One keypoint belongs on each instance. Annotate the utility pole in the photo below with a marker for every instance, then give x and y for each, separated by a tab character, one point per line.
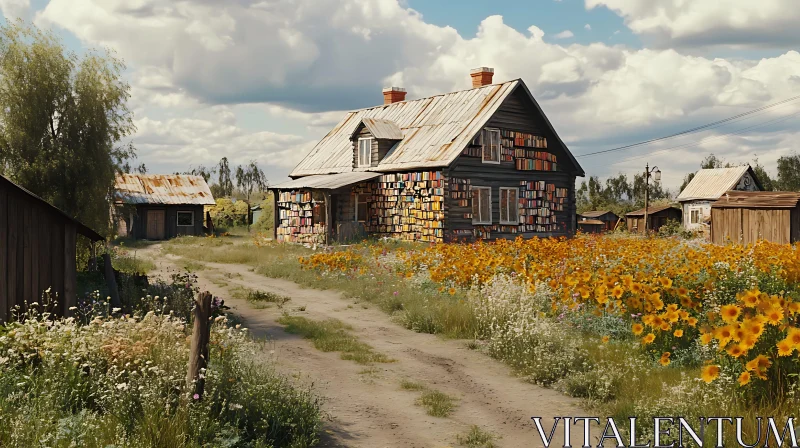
656	173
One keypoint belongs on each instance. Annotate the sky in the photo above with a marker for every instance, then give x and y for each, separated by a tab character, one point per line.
264	80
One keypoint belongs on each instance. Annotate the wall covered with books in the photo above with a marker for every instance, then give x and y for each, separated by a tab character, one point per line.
407	206
301	215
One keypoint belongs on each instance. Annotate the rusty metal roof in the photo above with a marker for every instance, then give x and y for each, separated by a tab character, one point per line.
380	128
435	131
651	210
593	222
167	189
596	213
327	181
758	199
713	182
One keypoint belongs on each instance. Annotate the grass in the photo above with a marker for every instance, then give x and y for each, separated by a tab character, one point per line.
193	266
436	403
476	438
259	299
132	264
412	385
333	335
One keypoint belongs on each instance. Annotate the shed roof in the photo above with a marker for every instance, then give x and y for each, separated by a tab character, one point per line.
593	222
711	183
435	131
596	213
651	210
381	128
163	189
81	228
758	199
328	181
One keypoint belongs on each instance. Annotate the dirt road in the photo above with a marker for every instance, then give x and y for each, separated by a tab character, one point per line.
367	407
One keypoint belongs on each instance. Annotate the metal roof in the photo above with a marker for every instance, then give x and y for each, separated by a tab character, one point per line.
435	131
593	222
758	199
80	227
713	182
650	210
166	189
380	128
596	213
327	181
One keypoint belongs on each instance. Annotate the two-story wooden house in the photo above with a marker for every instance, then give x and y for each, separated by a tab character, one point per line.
479	163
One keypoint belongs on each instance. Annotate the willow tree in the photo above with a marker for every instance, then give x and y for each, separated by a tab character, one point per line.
63	119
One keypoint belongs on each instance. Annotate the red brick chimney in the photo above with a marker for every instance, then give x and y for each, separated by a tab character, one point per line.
481	76
393	95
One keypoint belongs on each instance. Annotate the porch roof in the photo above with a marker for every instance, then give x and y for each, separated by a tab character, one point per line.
327	181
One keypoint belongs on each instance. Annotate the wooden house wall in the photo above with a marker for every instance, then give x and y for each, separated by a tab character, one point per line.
379	147
37	252
637	222
171	229
748	225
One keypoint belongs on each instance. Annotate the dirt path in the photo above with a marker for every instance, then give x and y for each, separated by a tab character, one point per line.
370	409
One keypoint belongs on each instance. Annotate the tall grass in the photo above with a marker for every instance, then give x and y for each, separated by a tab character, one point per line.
333	335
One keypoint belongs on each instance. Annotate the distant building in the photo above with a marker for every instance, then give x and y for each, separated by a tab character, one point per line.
609	219
745	217
37	251
707	186
656	215
161	206
586	225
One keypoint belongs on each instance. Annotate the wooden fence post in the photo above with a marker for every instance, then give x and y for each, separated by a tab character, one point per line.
198	353
111	281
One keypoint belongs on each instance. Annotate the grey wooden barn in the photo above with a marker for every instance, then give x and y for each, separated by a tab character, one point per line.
37	251
479	163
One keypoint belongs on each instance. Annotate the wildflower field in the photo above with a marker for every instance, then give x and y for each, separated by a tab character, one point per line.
638	326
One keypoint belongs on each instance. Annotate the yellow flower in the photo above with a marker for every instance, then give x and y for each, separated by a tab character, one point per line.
710	373
649	338
785	348
678	333
794	337
638	329
736	350
744	378
730	313
605	339
774	315
705	338
664	361
617	292
692	321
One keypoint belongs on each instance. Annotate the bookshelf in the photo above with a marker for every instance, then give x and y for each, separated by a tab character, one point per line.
296	215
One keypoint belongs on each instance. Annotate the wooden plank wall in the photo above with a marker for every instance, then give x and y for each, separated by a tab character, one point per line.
746	226
37	252
170	220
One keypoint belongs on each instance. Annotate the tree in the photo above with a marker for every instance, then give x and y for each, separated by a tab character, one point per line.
201	171
767	184
250	179
224	187
788	173
62	120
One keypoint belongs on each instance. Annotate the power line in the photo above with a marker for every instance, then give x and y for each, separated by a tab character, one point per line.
693	130
699	142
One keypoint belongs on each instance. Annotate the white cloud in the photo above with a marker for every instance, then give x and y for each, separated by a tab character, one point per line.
301	61
746	23
566	34
587	27
13	9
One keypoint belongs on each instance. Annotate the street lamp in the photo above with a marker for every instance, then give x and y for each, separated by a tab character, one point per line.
656	173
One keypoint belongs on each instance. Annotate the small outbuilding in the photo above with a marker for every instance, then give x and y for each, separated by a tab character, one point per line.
591	225
745	217
608	218
656	215
707	186
37	251
161	206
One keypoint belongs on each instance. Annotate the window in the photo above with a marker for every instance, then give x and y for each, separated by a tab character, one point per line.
481	205
491	146
318	213
509	206
364	152
695	216
361	208
185	218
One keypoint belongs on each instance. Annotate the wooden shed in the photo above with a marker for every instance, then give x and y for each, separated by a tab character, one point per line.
657	215
591	225
161	206
608	218
748	216
37	250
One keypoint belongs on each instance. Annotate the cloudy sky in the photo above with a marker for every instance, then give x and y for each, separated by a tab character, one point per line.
265	79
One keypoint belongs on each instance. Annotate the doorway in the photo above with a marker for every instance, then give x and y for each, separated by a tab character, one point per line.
155	225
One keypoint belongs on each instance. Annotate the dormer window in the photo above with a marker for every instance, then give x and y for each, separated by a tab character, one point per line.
364	152
491	146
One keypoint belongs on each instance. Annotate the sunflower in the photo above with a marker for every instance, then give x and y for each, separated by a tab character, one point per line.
774	315
794	337
665	282
678	333
730	313
605	339
638	329
744	378
736	350
785	348
710	373
692	321
706	338
664	361
749	299
617	291
665	326
649	338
